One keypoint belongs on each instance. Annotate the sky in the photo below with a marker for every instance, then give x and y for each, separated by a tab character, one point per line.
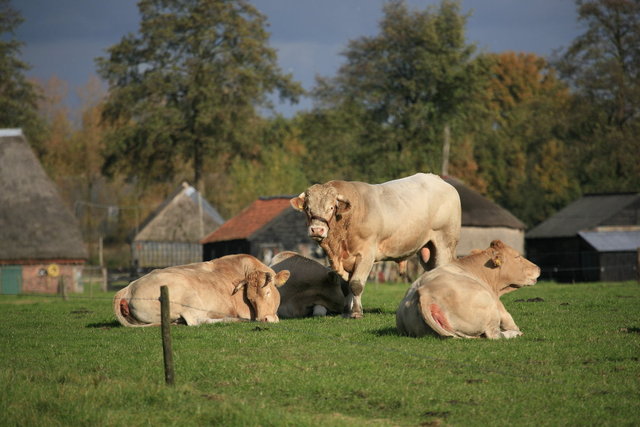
63	37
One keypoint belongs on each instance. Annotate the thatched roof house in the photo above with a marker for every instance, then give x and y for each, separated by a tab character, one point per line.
37	230
594	238
484	221
267	226
171	234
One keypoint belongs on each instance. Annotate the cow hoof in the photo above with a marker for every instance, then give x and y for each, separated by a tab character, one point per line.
510	334
355	315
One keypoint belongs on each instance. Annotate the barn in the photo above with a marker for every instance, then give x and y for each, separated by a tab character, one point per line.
171	234
267	226
484	221
41	245
595	238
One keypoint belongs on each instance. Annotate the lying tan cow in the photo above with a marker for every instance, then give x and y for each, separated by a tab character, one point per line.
312	288
358	224
233	287
462	299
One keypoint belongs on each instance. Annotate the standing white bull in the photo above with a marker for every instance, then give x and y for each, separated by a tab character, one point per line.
230	288
358	224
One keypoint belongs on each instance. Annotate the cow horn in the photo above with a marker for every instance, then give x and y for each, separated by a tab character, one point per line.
238	286
268	279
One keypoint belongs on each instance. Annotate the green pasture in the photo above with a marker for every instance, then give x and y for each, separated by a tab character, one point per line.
578	363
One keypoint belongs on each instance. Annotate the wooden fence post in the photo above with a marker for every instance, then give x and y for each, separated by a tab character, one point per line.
165	327
62	290
638	264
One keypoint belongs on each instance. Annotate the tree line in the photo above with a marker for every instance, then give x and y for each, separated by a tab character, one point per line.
190	98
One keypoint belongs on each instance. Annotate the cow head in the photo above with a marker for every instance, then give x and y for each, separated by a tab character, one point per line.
262	293
514	270
322	204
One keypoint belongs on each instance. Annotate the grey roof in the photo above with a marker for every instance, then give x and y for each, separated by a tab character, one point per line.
479	211
583	214
612	241
177	219
35	224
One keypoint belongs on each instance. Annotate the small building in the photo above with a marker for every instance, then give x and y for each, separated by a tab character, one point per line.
41	245
267	226
171	234
595	238
484	221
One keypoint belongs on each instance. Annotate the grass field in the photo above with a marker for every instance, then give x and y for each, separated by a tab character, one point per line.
578	363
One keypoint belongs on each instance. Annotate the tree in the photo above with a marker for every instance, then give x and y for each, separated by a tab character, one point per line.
519	137
602	65
406	83
18	96
188	86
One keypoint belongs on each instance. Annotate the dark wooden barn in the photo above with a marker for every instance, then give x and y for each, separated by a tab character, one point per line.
267	226
171	234
41	245
595	238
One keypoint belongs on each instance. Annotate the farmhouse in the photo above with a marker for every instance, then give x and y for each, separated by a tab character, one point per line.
41	245
267	226
595	238
171	234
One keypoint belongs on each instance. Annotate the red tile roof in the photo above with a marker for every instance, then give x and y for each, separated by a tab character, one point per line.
249	220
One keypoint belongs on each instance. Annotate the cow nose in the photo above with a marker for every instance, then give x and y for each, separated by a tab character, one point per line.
317	232
271	319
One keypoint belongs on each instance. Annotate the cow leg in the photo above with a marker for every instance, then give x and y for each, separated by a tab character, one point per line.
506	321
403	270
358	280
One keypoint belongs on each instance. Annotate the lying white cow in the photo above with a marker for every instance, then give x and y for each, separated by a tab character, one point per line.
358	224
312	288
462	299
233	287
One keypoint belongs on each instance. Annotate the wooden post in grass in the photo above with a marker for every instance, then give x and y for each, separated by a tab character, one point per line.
638	264
165	323
62	290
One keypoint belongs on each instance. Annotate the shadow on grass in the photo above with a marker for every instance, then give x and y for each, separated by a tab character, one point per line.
105	325
377	310
386	332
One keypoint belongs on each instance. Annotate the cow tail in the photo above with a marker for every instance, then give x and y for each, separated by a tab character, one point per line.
122	309
434	317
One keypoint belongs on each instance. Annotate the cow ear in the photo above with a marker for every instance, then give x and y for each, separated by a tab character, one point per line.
298	202
343	204
241	284
282	277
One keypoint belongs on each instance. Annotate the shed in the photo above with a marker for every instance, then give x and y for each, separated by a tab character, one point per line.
41	244
267	226
171	234
595	238
484	220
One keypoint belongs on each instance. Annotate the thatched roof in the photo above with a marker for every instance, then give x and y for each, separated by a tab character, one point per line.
589	211
478	211
35	224
177	219
250	219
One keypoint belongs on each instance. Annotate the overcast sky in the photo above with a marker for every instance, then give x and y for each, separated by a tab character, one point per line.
63	37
